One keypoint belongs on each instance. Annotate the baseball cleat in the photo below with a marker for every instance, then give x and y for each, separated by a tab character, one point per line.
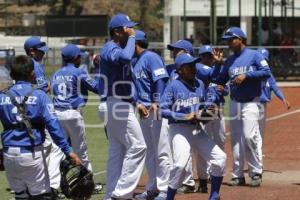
147	195
185	189
161	196
237	182
98	187
202	186
256	180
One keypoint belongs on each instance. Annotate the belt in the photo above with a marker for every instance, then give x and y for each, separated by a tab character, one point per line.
182	122
25	149
242	100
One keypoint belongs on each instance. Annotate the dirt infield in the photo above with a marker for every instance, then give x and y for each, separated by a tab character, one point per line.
281	178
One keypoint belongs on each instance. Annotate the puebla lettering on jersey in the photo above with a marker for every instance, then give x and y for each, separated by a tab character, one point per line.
183	103
241	70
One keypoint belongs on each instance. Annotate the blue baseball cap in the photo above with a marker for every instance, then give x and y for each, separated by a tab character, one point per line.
140	35
264	52
234	32
185	58
182	44
121	20
36	43
71	51
205	49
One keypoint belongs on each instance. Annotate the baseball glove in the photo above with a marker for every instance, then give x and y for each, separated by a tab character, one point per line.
1	160
76	181
206	115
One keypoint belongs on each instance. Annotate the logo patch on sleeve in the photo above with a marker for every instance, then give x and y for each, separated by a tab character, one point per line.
264	63
159	72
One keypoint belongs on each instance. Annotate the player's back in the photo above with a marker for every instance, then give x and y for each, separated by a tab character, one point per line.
10	116
66	87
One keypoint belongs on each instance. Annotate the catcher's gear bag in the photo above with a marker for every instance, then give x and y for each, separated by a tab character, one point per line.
76	181
1	160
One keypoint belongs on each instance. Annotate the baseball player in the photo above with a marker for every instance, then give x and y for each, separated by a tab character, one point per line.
245	69
36	49
24	114
177	48
150	76
180	103
266	94
215	128
127	148
70	86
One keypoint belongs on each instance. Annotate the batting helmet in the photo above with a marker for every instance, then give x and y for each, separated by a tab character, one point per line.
76	181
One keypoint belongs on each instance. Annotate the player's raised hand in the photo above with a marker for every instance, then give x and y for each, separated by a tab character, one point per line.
239	79
129	31
143	111
75	158
218	56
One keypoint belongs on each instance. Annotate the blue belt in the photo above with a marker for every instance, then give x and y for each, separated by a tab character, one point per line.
25	149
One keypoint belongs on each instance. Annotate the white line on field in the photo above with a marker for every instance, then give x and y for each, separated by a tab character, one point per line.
283	115
99	173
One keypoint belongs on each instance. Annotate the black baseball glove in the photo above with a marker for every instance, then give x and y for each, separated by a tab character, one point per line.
76	181
206	115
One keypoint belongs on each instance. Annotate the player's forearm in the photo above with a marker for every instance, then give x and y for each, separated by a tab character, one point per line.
261	74
166	113
128	52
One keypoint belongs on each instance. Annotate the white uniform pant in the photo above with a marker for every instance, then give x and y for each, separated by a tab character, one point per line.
216	131
54	156
158	157
27	171
245	137
127	148
73	125
182	140
262	119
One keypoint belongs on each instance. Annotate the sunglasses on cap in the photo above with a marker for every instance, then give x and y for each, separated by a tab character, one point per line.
42	44
232	34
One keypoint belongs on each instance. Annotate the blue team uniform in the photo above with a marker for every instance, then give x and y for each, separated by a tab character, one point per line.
269	86
148	69
40	77
39	109
215	96
179	100
115	65
253	65
70	87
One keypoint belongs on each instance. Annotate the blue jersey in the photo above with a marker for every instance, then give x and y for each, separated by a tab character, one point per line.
179	99
215	96
40	77
147	69
269	86
253	65
115	66
70	86
39	110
